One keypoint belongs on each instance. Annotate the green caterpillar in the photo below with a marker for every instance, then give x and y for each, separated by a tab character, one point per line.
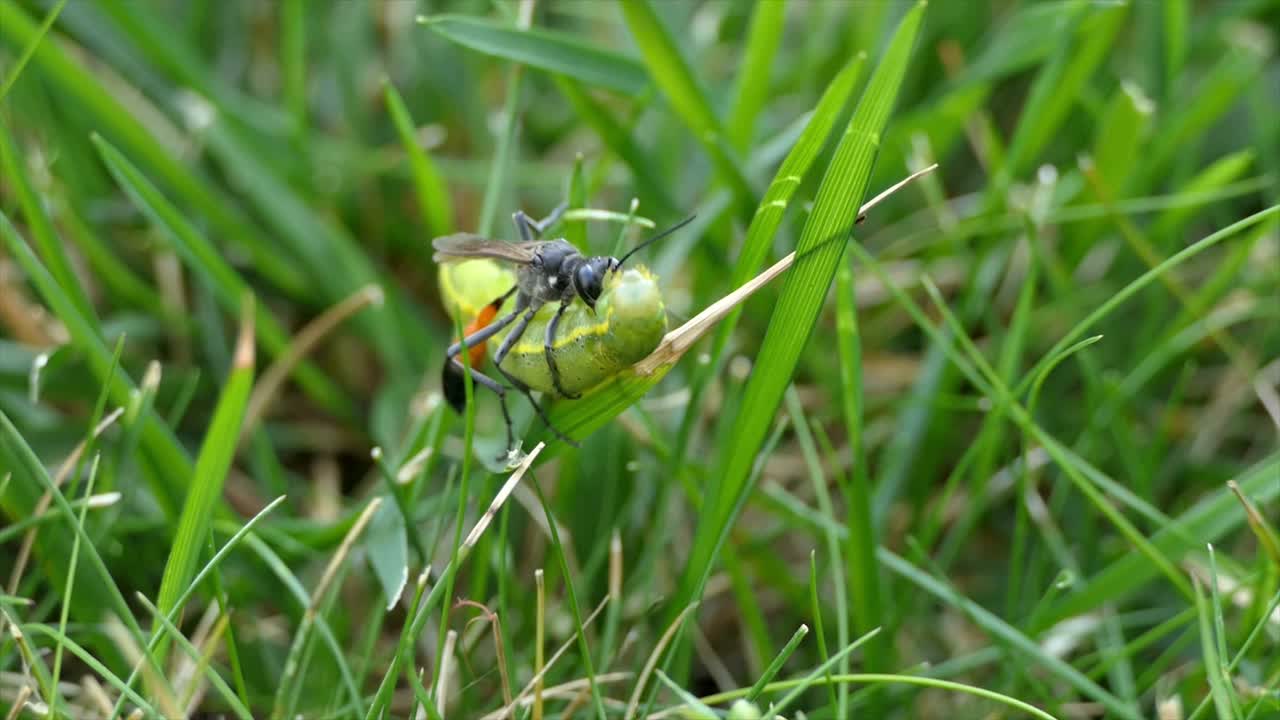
590	347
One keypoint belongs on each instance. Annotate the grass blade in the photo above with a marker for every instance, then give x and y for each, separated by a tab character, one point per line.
751	89
46	239
548	50
15	70
433	194
216	454
114	120
673	76
796	311
205	260
159	444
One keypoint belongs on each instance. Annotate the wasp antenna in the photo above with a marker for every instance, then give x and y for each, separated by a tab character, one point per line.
655	238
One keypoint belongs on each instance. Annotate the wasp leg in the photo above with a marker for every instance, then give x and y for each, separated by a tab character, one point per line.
512	338
531	229
537	407
485	333
498	389
455	393
451	375
548	347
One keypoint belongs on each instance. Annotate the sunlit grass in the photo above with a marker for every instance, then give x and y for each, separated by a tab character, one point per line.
1007	445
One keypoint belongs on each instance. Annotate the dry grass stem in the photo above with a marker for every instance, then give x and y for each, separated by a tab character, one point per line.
677	342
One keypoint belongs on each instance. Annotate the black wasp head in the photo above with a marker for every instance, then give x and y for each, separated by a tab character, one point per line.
589	278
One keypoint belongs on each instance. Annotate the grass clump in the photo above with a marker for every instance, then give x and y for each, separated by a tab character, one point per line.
1007	442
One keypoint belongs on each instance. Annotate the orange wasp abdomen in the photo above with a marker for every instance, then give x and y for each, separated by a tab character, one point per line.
481	321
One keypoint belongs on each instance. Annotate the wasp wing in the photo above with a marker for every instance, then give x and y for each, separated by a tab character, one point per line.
462	246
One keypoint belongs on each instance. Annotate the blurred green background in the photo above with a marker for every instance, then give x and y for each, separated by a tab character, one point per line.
931	461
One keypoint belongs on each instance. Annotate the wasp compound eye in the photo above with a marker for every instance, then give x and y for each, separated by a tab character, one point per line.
588	282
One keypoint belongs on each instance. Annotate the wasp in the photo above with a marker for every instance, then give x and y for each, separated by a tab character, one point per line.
547	272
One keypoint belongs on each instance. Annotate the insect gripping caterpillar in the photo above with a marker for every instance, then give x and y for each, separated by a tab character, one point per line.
589	347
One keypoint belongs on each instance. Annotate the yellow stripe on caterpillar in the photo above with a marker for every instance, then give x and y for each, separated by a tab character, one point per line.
565	337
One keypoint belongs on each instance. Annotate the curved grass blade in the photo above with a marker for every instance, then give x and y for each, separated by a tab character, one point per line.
208	570
95	665
95	578
191	651
547	50
1208	521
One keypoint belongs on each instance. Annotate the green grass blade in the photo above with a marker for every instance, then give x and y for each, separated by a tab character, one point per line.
1121	134
1059	84
815	676
212	464
1219	684
649	181
795	314
815	609
115	121
52	248
433	194
768	218
1023	646
751	89
208	570
574	607
96	665
1142	281
841	587
863	575
321	244
1213	96
576	233
299	594
1020	40
671	73
15	70
548	50
293	48
95	579
191	651
775	666
69	586
120	280
204	259
159	444
1208	521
